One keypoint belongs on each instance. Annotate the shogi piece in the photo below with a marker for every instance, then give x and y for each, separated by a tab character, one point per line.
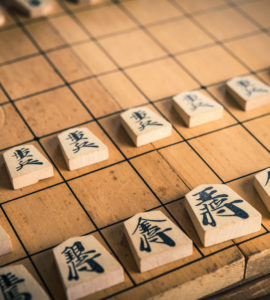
86	267
33	8
196	109
5	242
262	185
144	126
26	166
17	283
81	148
219	214
249	92
155	240
2	17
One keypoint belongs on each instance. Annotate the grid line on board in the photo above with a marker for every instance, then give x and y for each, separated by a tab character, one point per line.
64	181
51	160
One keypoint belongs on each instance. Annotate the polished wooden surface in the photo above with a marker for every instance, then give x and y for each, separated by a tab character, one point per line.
84	65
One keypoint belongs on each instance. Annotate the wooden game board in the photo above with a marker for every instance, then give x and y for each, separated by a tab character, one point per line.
83	66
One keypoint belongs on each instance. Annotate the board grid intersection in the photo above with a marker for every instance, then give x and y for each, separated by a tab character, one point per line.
99	121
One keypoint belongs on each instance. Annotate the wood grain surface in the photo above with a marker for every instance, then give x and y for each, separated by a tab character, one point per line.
82	66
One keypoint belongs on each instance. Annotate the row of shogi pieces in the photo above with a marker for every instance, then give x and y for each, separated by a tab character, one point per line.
35	8
217	212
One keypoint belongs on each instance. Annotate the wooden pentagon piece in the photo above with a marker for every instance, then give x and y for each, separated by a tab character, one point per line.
5	242
262	185
18	283
249	92
81	148
86	267
219	214
33	8
155	240
145	126
26	166
196	109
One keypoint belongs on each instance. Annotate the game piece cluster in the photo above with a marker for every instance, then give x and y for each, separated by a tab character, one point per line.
216	211
35	8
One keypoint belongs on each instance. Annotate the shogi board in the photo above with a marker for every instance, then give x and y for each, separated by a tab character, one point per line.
74	68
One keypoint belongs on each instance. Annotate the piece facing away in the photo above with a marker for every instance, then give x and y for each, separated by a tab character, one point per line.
2	17
249	92
262	185
155	240
86	267
144	126
26	166
197	109
219	214
33	8
81	148
18	283
5	242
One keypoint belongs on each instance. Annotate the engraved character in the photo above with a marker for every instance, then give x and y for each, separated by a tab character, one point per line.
268	178
152	234
79	140
79	260
143	120
24	158
217	204
195	102
34	2
250	88
9	288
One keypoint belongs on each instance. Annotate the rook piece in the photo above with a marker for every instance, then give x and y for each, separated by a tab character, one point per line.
249	92
33	8
219	214
5	242
2	17
196	109
86	267
81	148
17	283
262	185
144	126
26	166
155	240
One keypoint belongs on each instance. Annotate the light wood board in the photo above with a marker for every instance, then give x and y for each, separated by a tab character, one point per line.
84	65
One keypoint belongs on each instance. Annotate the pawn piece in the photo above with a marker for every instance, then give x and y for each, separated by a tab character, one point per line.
196	109
249	92
33	8
5	242
81	148
18	283
2	17
26	166
144	126
262	185
155	240
219	214
86	267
